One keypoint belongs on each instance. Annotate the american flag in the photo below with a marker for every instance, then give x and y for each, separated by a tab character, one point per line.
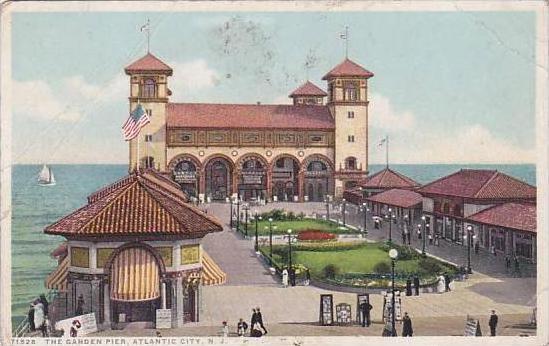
137	119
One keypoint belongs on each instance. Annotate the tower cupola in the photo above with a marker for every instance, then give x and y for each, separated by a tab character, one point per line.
308	94
347	83
149	78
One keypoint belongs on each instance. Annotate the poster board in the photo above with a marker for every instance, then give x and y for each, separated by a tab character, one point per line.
387	304
472	327
163	318
343	313
88	324
326	310
361	298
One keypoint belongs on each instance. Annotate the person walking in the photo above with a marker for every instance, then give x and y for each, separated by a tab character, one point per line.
493	323
517	264
430	239
507	263
307	277
253	321
447	282
476	248
285	278
407	325
30	317
39	317
241	327
494	251
45	304
260	319
225	329
408	287
403	237
80	306
416	285
365	309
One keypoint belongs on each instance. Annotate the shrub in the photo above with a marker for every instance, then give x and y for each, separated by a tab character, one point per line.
330	271
315	235
382	268
429	265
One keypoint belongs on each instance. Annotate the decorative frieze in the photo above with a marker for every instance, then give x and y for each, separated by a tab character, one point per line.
247	138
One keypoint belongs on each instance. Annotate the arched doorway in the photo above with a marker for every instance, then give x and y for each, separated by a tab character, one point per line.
185	173
285	170
318	178
135	285
218	178
252	184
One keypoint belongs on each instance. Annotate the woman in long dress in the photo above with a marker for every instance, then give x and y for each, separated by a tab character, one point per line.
285	278
441	287
39	321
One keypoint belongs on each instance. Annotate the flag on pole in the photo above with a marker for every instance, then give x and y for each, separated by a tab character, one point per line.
137	119
145	26
343	35
382	142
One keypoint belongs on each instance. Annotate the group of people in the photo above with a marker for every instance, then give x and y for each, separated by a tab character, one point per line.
407	329
257	328
515	263
38	315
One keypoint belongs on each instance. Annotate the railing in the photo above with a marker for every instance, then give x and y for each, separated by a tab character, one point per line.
24	326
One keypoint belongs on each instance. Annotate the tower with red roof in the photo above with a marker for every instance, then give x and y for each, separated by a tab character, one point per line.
348	104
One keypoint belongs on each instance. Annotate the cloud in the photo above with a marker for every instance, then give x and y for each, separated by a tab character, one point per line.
191	76
383	115
36	99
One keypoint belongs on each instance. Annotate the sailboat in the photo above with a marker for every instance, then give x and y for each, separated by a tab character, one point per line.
46	177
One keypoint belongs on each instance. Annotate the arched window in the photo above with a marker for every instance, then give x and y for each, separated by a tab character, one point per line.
350	91
316	166
149	88
350	163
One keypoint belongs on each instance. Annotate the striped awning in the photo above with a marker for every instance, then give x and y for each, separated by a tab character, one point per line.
57	280
213	275
135	276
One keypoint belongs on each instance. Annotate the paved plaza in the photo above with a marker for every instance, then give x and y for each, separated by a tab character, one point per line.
294	310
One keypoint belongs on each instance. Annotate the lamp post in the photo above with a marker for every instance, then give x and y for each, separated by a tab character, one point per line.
393	253
238	212
257	218
469	238
423	235
364	210
270	239
344	211
327	209
231	214
290	267
391	217
246	207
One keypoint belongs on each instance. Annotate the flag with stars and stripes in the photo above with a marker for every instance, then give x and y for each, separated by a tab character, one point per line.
137	120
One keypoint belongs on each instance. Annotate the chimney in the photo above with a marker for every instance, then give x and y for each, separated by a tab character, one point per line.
258	103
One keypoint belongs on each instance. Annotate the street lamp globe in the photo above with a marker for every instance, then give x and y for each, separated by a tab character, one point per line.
289	231
393	253
469	228
423	217
270	219
390	210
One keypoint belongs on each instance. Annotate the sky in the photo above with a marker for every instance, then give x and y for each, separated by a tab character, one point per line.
449	87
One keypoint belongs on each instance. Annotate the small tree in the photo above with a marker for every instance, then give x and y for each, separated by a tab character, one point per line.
330	271
382	268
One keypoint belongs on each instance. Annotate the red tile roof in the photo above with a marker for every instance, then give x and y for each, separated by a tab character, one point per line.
398	198
140	204
148	63
480	184
207	115
388	179
308	89
519	216
348	68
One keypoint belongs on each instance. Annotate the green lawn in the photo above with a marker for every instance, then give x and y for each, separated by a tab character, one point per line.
358	260
297	225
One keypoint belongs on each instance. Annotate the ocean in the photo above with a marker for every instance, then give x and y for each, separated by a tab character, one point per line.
34	207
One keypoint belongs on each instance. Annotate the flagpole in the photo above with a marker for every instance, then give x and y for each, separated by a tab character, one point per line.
387	151
346	42
138	157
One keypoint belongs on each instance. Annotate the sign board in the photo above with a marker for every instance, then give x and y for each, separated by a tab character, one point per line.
121	317
361	298
87	323
163	318
184	176
282	175
387	305
343	313
472	327
326	309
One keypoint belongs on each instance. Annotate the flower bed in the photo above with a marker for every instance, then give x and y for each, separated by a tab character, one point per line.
315	235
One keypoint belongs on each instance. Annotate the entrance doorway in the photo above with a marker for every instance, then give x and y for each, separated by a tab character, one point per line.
218	179
285	173
318	178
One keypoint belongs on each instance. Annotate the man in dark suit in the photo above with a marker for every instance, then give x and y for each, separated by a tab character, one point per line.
416	285
365	309
407	325
253	321
260	319
493	323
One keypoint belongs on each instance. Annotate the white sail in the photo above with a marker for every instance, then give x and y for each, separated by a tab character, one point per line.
45	177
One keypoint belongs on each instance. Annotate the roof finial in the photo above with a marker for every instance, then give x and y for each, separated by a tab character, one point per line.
345	36
147	29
